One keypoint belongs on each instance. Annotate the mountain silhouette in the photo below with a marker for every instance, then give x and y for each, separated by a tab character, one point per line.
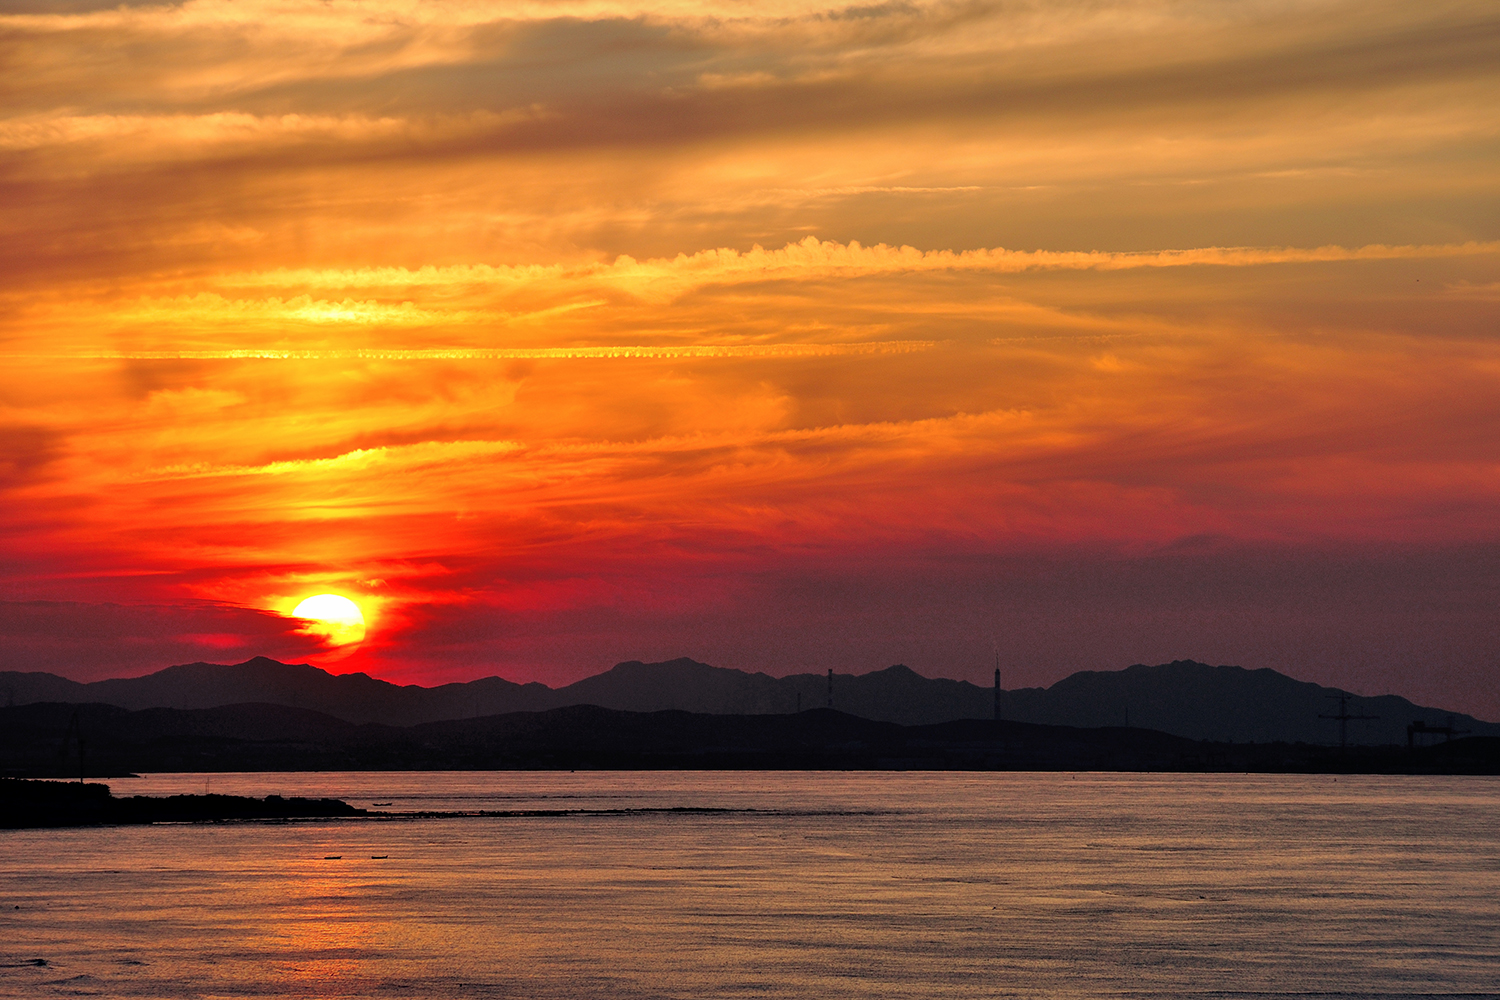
1183	698
37	741
355	698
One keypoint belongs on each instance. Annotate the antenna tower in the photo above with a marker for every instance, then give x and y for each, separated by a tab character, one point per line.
997	684
830	687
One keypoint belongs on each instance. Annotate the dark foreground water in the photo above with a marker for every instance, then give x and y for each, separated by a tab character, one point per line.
812	885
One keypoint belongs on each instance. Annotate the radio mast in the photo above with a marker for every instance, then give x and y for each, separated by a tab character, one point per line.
997	684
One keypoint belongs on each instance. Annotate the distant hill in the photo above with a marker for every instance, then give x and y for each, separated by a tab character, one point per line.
1225	703
39	741
1183	698
355	698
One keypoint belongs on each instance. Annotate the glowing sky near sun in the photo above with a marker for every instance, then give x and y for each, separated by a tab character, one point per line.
783	335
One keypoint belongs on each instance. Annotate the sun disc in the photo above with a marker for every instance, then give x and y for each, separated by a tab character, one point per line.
337	619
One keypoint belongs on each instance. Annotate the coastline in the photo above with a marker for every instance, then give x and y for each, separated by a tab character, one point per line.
34	744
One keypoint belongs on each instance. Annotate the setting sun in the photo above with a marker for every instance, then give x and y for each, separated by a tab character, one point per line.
337	619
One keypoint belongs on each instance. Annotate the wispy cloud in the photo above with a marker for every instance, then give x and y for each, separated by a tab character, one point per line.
812	258
693	351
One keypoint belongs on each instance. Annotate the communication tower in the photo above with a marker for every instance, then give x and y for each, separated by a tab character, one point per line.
997	685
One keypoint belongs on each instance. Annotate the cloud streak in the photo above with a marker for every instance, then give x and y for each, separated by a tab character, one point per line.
812	258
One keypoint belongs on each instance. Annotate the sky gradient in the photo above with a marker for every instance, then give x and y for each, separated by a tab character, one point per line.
782	335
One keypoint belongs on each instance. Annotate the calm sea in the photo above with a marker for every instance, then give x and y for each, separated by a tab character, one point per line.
899	885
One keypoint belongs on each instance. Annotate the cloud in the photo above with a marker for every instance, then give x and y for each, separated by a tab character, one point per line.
596	329
93	641
532	312
410	133
527	353
24	450
812	258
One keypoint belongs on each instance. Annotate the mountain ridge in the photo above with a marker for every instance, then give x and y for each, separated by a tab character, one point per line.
1184	698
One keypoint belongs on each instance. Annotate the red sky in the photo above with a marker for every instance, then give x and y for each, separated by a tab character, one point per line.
785	336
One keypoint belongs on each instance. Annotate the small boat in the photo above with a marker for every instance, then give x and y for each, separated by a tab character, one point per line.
333	857
379	803
379	857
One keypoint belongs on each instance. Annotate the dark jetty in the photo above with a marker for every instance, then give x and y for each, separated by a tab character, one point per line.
25	804
35	742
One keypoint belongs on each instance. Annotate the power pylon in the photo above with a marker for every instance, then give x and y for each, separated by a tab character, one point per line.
1344	717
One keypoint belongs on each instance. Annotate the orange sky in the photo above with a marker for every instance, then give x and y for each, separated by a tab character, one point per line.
781	335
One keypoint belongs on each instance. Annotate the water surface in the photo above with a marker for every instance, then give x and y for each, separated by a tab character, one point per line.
807	885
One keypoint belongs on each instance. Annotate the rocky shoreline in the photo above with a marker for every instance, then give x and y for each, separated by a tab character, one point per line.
33	804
